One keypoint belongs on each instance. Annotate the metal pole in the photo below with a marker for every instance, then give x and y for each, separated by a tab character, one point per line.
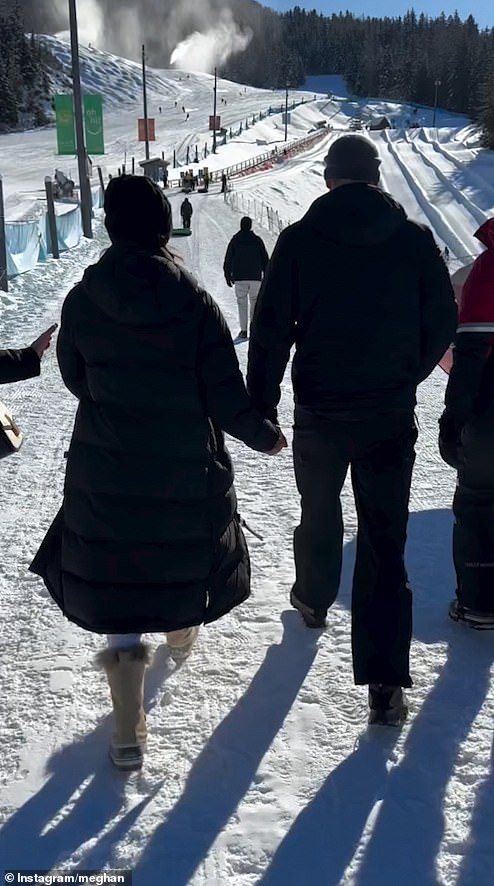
286	112
101	180
214	109
85	187
145	100
4	283
52	222
437	84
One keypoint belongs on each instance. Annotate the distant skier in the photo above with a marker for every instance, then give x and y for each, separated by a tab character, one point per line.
364	295
224	183
466	441
245	263
446	255
186	212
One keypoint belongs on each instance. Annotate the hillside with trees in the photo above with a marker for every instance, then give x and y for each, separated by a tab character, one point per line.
396	58
24	81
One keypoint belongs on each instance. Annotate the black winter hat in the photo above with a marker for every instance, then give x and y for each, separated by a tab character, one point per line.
137	210
353	157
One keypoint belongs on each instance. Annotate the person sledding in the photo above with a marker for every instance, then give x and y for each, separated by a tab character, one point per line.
186	212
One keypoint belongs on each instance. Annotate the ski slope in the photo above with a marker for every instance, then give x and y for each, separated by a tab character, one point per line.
260	769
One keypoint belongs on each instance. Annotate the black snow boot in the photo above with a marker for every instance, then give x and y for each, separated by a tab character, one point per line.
388	705
313	618
480	621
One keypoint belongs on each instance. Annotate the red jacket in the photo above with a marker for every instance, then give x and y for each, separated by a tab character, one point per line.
476	307
471	384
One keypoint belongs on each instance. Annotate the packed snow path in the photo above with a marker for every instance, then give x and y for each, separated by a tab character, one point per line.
260	768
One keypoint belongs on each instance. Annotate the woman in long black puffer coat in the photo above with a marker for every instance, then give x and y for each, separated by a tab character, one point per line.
148	538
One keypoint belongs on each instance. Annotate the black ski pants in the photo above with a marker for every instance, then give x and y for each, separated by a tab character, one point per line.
380	451
473	507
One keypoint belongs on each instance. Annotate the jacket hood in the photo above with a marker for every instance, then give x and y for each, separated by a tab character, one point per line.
486	233
134	286
245	235
356	214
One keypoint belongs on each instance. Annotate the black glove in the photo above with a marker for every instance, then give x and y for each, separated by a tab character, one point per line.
228	281
450	441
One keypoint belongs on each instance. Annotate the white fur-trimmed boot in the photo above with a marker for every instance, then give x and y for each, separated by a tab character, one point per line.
180	643
125	670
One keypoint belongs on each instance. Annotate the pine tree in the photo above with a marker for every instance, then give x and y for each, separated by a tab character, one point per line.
486	115
24	85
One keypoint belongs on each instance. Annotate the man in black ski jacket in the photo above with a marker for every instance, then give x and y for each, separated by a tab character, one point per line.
365	296
245	263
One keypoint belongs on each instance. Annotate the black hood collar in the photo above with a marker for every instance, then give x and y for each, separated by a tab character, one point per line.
356	214
135	286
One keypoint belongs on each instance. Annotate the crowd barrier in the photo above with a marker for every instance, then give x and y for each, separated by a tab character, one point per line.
262	213
277	154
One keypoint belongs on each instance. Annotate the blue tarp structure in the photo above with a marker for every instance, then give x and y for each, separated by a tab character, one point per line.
26	245
27	241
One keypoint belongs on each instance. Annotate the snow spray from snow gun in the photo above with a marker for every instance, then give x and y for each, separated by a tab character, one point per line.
202	50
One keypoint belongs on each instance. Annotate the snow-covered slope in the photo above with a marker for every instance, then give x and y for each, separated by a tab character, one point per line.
26	158
260	770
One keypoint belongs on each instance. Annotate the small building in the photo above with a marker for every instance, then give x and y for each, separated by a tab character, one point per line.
379	123
154	167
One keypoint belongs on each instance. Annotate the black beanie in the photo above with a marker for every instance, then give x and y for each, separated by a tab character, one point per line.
137	210
353	157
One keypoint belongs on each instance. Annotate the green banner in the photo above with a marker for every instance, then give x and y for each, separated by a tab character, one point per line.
93	119
64	110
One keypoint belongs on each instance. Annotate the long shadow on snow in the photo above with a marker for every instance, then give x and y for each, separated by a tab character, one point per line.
478	862
408	799
29	838
226	767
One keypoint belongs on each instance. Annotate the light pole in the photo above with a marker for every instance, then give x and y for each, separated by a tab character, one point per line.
286	112
4	283
85	187
437	84
215	93
145	101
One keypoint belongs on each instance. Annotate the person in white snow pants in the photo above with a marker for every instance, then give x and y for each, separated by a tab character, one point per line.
246	292
245	263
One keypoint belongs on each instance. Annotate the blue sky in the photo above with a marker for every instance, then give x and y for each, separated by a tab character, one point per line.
482	10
